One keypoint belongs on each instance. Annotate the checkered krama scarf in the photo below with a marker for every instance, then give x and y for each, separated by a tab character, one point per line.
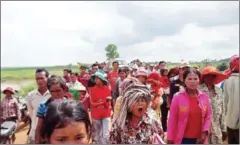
131	95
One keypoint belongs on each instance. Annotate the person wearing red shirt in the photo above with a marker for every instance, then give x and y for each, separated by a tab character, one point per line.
67	75
84	76
84	97
100	102
112	78
113	75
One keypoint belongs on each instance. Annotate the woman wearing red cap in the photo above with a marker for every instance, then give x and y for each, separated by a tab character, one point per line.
218	129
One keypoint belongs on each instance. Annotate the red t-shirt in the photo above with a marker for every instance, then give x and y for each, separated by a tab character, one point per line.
112	78
99	94
84	78
194	125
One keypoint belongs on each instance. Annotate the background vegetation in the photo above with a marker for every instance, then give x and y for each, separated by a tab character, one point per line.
27	73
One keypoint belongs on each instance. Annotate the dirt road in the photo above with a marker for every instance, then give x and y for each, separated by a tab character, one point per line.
21	136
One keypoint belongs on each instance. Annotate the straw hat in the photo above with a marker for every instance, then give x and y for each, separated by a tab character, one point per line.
211	70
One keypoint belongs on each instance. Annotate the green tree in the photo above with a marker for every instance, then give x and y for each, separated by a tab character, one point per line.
111	51
222	66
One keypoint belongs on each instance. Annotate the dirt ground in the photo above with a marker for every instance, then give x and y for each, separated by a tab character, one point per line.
21	136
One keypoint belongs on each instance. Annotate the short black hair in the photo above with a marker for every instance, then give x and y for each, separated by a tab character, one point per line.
39	70
115	62
124	69
95	64
83	67
68	70
162	62
56	80
62	112
74	73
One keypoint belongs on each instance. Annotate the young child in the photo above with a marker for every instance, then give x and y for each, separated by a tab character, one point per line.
84	97
67	122
100	101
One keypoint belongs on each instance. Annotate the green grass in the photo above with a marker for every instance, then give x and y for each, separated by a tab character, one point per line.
29	73
26	89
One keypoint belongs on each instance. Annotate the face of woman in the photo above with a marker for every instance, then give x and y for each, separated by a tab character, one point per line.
208	79
165	73
98	81
122	75
139	108
73	133
142	79
192	81
56	91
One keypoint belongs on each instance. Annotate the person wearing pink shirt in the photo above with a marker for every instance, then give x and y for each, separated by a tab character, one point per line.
190	113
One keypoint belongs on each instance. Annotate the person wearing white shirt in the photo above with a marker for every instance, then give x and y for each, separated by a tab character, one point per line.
231	101
74	84
34	99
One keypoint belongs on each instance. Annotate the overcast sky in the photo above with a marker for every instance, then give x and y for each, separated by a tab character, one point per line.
41	33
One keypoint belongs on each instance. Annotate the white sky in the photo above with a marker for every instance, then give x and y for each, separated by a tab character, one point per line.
41	33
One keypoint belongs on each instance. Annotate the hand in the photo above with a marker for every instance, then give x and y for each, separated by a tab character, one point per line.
109	98
202	138
224	136
169	142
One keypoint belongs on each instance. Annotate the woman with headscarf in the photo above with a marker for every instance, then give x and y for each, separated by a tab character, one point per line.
133	125
126	83
218	129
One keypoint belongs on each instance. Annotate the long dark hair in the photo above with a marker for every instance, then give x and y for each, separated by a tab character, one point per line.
62	112
188	71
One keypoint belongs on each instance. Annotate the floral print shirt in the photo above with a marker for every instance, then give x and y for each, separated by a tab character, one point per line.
143	134
218	124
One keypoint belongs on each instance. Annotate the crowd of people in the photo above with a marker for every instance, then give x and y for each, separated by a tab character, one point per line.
137	104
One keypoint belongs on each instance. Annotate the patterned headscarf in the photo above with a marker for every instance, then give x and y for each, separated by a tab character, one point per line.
126	83
131	95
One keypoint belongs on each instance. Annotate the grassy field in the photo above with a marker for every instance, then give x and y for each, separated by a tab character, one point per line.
28	73
17	75
24	77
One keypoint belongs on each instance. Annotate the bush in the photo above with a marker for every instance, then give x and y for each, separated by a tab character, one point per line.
26	89
223	66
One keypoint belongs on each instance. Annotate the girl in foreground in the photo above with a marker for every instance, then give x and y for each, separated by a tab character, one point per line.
67	122
190	113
